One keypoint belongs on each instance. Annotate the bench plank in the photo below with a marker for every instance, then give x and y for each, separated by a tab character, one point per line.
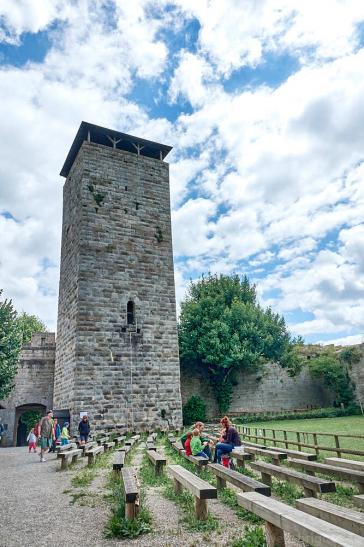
340	516
341	472
348	464
238	479
295	453
199	488
69	455
157	460
118	460
277	456
310	484
131	488
309	529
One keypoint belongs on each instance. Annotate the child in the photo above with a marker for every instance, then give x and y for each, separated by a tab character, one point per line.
196	445
188	444
32	441
65	435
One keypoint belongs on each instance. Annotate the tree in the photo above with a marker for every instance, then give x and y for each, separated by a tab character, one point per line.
10	345
28	325
194	410
331	368
223	329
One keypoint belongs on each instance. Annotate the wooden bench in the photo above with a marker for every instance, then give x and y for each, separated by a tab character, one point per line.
274	455
358	501
253	445
131	492
68	455
295	453
241	457
280	517
94	453
86	447
125	449
224	475
119	440
118	461
310	485
101	440
157	460
340	472
65	447
108	445
201	490
340	516
348	464
197	460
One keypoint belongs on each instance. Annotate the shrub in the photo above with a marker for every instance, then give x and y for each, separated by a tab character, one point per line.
194	410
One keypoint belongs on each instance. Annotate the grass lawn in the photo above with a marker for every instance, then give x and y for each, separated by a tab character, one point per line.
349	425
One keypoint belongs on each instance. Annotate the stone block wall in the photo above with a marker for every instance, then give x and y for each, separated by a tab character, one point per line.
116	248
33	382
270	390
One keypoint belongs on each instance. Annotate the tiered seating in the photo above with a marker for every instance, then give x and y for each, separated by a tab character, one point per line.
68	455
340	472
201	490
94	453
157	460
224	475
280	517
340	516
131	493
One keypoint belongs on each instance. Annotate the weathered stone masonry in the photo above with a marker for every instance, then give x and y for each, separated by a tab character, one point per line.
117	248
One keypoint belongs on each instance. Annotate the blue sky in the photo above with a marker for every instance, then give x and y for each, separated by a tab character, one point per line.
262	102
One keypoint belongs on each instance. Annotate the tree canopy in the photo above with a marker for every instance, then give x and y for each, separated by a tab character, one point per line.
10	345
28	325
223	329
15	331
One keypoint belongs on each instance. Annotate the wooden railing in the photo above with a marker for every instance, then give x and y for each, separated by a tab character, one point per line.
304	439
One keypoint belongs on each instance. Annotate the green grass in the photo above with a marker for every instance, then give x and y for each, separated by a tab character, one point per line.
118	526
228	496
147	474
84	477
253	537
186	501
350	425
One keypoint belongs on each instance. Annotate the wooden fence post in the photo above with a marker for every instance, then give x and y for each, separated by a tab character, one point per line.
337	444
285	438
298	440
274	437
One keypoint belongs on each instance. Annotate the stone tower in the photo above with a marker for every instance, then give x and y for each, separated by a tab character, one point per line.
117	347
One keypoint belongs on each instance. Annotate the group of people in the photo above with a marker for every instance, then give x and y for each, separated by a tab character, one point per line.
195	444
49	434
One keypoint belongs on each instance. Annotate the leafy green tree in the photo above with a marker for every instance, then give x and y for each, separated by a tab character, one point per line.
223	329
10	345
30	418
333	372
28	325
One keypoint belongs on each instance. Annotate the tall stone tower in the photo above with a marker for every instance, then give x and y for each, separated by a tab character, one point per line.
117	347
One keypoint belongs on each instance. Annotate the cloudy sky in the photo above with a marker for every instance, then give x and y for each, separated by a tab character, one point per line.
263	102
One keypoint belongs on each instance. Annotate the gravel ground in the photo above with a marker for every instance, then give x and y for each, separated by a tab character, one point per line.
34	510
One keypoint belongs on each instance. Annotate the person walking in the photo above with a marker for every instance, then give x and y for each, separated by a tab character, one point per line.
84	429
46	434
32	441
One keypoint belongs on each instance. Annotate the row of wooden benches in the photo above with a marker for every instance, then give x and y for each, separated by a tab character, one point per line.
71	453
323	523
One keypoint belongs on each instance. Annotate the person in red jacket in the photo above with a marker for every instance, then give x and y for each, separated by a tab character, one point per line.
188	444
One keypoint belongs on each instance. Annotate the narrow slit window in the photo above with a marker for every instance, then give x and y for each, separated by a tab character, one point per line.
130	313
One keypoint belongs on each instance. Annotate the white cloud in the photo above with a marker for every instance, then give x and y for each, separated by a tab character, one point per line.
345	341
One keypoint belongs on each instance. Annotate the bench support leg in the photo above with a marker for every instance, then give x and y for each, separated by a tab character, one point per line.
131	510
274	535
64	464
177	486
90	459
74	459
360	487
267	479
201	509
220	483
309	493
240	463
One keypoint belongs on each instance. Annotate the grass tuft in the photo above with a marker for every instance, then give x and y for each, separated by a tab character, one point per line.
228	496
253	537
186	502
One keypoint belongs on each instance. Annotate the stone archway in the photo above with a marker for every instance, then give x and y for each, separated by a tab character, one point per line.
20	432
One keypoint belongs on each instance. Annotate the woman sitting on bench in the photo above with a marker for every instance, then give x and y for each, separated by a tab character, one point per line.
230	439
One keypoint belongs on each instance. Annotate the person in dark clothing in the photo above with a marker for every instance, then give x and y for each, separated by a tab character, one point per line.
84	429
230	439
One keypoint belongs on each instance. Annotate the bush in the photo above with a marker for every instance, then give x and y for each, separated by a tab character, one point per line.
194	410
318	413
